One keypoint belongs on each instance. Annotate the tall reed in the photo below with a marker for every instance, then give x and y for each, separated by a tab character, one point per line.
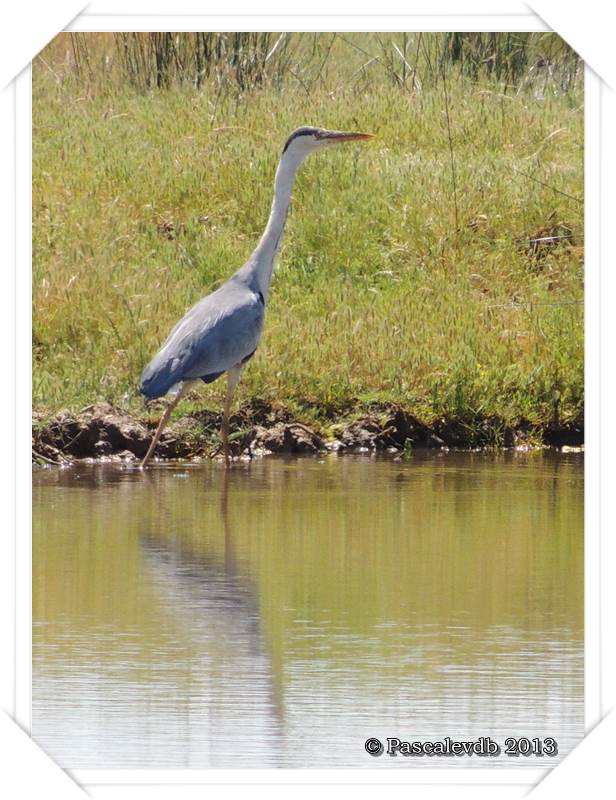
243	61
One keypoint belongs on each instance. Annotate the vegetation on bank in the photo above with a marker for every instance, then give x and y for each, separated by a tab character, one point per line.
438	267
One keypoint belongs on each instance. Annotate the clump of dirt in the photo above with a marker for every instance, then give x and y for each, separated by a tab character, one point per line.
393	428
562	435
97	431
545	240
287	438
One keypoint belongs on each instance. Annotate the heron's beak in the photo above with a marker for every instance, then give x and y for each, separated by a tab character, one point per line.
342	136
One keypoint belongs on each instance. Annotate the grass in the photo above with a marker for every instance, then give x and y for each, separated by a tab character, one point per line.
390	286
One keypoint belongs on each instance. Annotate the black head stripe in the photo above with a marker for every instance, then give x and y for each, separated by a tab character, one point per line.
305	131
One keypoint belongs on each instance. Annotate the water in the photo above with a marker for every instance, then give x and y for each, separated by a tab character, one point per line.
281	617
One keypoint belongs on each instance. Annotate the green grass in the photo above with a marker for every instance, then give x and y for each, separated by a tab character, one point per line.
143	202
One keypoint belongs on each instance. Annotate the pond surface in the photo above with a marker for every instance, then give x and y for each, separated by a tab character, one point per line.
280	617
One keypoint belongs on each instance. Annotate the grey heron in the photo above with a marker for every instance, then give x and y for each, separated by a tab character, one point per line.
221	332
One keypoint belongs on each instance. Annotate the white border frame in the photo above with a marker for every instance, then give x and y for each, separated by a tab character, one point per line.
91	22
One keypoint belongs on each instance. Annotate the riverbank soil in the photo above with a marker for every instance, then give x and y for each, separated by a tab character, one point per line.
102	431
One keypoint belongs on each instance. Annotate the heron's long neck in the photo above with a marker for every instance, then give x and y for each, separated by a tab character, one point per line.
265	252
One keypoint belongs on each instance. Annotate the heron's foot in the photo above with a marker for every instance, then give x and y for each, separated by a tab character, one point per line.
147	458
224	448
217	452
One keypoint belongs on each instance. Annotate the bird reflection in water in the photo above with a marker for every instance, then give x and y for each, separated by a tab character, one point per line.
215	602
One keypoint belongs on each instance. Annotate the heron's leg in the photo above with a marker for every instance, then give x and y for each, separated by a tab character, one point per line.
233	376
163	422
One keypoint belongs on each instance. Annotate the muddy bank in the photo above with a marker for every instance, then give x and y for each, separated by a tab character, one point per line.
104	432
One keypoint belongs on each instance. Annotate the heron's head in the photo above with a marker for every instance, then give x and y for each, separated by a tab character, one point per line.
307	140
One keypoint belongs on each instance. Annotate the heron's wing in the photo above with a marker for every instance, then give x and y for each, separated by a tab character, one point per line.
217	333
226	337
